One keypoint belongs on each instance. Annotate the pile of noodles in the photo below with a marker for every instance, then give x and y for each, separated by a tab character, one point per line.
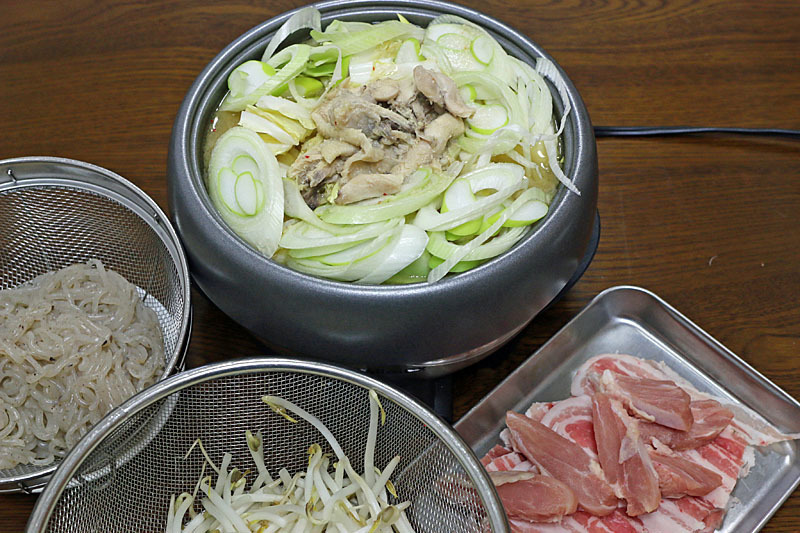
73	344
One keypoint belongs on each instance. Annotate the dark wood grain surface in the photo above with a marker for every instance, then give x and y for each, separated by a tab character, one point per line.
710	223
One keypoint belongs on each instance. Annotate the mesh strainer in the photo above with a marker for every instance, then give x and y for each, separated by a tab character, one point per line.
121	475
55	212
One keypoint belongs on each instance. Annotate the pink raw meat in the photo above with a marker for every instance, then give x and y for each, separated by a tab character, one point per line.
626	365
678	477
710	418
655	400
572	419
624	457
564	460
534	497
537	410
494	453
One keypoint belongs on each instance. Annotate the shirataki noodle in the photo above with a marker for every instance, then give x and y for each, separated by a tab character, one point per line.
74	344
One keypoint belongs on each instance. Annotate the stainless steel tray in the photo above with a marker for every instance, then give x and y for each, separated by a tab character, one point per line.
635	321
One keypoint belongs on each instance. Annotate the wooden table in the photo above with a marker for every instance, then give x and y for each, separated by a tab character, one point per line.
710	223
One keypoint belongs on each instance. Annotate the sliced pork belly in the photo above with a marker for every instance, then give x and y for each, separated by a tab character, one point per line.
729	456
678	476
494	453
572	419
677	516
623	456
534	497
512	461
626	365
537	410
616	522
710	418
564	460
519	525
655	400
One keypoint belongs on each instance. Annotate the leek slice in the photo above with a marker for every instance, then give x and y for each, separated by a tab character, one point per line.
504	178
409	52
461	266
245	187
408	246
287	108
440	247
354	42
441	271
378	261
488	118
431	184
249	76
303	235
305	18
415	272
289	63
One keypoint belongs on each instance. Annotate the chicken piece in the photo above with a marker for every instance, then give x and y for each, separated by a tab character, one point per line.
563	460
534	497
709	419
439	132
384	90
678	476
363	186
441	89
419	154
623	456
332	149
659	401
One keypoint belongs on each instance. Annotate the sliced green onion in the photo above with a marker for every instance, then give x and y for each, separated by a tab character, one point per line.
250	201
403	203
453	41
482	48
461	266
288	64
249	76
488	118
353	42
409	52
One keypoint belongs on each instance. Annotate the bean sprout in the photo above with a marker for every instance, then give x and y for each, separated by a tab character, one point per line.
326	497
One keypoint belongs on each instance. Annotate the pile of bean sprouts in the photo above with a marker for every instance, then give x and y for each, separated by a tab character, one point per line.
329	496
74	344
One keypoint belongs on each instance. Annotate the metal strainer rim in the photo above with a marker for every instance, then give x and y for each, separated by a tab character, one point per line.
111	185
47	501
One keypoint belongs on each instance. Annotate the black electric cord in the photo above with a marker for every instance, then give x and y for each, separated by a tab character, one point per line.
643	131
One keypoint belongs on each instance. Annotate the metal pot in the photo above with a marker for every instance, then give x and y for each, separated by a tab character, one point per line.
432	328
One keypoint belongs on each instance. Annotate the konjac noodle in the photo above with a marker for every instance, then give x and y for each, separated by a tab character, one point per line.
385	153
74	343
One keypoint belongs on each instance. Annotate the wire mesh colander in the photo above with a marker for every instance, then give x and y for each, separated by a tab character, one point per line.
121	475
55	212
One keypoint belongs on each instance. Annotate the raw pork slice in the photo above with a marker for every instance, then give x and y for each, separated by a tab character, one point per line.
572	419
659	401
494	453
627	365
564	460
534	497
624	457
537	410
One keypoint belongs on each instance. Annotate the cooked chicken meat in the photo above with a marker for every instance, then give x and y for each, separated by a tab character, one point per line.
371	138
441	90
